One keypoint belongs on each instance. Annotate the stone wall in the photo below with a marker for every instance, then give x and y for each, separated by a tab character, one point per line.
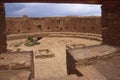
111	22
2	29
71	66
19	25
53	24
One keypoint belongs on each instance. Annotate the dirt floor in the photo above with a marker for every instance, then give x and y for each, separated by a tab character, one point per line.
52	66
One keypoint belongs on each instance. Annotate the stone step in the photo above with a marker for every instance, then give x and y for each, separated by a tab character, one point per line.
91	73
58	34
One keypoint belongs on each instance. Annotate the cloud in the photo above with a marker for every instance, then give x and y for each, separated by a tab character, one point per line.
11	8
51	9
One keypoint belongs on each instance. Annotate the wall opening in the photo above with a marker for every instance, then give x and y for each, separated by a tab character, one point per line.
93	28
8	29
28	28
18	30
84	28
60	29
39	27
57	27
48	27
66	28
75	28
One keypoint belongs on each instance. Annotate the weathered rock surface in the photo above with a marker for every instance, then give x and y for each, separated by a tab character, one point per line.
15	61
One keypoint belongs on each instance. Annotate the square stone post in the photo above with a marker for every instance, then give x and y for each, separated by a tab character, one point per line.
3	45
111	22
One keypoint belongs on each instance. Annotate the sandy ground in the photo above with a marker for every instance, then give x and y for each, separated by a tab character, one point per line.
55	66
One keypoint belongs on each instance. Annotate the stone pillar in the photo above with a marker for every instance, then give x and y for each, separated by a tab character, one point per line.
3	46
111	22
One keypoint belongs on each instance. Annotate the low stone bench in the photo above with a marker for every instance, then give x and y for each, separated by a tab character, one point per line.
88	56
16	65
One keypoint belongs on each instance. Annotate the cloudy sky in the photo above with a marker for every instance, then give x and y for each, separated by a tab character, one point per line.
51	9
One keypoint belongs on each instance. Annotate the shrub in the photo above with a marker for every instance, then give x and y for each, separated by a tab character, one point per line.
31	42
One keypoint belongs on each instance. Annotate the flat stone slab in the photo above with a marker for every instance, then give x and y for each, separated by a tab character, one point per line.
92	54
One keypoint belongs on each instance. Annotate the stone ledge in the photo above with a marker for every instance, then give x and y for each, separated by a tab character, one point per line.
89	56
90	36
93	54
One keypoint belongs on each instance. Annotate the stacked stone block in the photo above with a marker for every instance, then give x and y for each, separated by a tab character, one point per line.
2	29
53	24
111	22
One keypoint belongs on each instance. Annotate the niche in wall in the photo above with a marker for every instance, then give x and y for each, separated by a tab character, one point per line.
28	28
39	27
66	27
48	27
8	29
93	28
84	28
11	23
57	27
18	30
74	27
60	29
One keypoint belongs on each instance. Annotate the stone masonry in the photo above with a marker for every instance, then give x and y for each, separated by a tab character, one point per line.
2	29
111	22
17	25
